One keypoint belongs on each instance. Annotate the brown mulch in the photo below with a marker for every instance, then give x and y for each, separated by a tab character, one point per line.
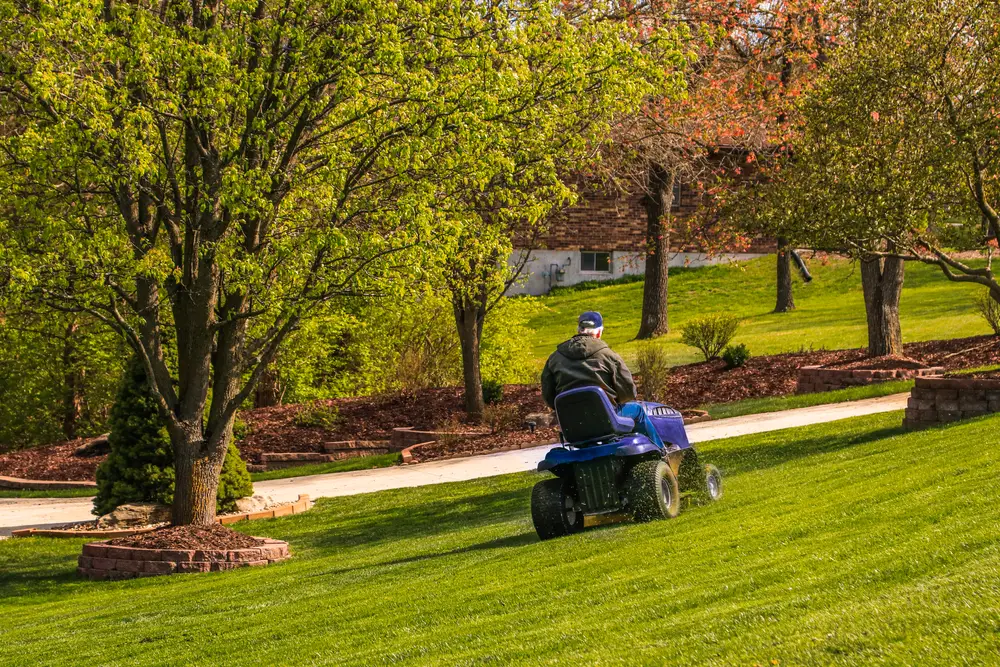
891	361
50	462
374	417
215	536
774	375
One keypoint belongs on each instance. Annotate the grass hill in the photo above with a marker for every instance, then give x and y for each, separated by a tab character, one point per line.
849	543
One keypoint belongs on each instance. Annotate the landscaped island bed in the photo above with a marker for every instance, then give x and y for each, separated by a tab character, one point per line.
374	417
846	543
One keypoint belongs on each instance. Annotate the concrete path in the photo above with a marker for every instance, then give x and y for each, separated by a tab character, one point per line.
24	512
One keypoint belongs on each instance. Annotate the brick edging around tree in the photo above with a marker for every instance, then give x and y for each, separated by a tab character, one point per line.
100	560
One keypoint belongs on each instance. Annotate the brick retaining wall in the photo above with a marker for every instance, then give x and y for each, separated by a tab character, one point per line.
818	378
103	561
941	400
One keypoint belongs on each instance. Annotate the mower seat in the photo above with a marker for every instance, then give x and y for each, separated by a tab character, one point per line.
586	416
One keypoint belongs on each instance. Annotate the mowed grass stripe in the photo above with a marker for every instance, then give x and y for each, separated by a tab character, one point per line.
846	543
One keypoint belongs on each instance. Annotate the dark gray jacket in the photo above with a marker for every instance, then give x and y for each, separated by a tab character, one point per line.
585	361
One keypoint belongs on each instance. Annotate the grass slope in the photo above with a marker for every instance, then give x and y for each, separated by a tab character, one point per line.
753	406
47	493
850	543
829	311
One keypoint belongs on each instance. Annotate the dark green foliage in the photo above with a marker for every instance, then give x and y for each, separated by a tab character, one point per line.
736	355
140	467
492	392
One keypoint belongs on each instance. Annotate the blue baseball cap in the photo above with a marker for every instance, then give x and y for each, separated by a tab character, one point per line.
591	320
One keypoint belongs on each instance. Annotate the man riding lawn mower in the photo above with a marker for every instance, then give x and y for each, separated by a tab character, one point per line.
618	454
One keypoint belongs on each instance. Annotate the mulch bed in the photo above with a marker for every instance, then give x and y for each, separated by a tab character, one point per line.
892	361
214	536
374	417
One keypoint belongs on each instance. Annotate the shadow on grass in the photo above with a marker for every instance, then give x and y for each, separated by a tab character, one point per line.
38	569
416	516
761	455
509	542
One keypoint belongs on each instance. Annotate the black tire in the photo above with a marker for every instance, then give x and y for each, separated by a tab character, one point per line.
552	510
653	492
691	474
713	483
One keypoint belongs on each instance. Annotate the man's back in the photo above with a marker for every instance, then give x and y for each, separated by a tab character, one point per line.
586	361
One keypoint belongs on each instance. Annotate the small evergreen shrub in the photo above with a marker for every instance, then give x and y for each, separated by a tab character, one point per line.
653	372
140	466
492	392
736	355
710	334
234	482
318	415
989	310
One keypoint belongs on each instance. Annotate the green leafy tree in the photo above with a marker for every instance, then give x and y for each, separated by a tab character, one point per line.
203	176
140	466
899	157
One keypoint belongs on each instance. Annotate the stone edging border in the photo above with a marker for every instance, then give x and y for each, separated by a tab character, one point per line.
299	506
20	484
810	379
408	452
941	400
100	560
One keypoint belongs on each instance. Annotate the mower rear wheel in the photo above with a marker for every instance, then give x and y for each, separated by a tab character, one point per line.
553	510
652	491
713	483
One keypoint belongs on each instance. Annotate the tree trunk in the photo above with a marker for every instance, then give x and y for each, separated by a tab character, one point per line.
73	383
882	283
786	301
197	483
269	390
469	317
659	203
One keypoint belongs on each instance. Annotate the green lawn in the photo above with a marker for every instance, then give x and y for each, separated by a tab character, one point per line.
357	463
48	493
830	310
850	543
752	406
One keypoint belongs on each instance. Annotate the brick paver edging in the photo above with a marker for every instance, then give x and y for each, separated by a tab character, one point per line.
43	484
813	379
941	400
100	560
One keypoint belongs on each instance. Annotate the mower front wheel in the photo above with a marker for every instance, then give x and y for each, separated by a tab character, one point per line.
653	492
713	483
553	510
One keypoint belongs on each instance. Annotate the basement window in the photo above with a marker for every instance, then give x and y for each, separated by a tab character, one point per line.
596	262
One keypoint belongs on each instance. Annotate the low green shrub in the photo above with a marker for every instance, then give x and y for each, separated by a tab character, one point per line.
317	415
492	392
989	310
653	372
710	334
736	355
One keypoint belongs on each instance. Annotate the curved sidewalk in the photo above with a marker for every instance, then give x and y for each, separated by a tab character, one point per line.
25	512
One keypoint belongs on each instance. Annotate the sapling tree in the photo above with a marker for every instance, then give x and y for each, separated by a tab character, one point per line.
583	71
200	175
